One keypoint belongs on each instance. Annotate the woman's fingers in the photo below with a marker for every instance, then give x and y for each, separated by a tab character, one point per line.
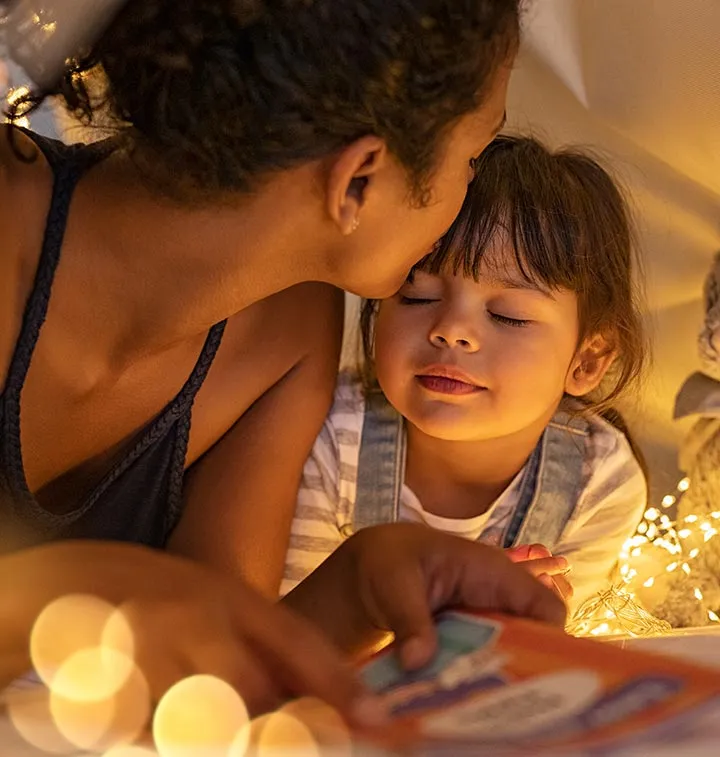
298	658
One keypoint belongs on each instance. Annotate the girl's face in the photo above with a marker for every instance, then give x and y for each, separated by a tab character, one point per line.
394	233
465	360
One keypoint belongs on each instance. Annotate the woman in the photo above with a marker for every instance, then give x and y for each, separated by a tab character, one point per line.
260	146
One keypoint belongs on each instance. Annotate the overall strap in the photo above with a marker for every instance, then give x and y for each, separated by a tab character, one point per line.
551	484
381	464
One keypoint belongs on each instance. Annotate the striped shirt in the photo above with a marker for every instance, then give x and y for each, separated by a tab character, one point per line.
612	499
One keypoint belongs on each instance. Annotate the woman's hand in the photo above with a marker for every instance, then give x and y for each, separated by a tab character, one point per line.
185	619
550	569
392	578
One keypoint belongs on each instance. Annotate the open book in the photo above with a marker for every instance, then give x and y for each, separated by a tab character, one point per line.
504	686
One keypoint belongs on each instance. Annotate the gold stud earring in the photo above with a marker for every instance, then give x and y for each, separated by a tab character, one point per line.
355	225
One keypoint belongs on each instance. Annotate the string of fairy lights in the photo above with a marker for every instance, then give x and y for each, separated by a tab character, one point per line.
12	96
660	549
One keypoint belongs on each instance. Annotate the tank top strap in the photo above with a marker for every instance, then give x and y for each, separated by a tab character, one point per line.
178	412
68	164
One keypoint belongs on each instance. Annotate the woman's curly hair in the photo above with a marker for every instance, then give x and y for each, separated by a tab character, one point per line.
219	93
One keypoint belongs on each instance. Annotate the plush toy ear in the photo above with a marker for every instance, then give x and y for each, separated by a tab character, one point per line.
589	366
709	339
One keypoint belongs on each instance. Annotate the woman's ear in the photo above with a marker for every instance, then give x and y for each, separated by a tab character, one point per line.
589	366
349	179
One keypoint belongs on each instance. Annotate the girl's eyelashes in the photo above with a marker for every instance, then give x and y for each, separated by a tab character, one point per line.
514	322
405	300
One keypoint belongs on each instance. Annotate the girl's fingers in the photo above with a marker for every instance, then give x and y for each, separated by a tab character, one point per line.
528	552
550	565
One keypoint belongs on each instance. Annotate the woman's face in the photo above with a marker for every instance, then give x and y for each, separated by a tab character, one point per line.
394	233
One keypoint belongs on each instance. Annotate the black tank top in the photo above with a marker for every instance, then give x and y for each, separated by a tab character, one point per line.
140	497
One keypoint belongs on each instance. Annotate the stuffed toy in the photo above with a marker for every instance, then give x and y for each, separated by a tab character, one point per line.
699	397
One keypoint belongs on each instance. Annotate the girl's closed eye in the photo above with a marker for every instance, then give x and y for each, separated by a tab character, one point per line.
415	300
507	321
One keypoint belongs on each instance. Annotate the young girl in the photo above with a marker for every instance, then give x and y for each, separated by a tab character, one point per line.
489	373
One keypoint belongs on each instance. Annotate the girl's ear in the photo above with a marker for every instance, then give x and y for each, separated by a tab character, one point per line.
589	366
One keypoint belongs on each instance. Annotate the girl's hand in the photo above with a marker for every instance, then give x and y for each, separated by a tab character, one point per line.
185	619
550	569
395	577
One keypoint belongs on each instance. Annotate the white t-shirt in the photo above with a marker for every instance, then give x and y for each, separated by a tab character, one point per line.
611	501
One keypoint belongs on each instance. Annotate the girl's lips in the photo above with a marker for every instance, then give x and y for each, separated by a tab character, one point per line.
447	385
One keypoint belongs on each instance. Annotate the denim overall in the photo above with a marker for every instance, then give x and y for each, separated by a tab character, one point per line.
549	490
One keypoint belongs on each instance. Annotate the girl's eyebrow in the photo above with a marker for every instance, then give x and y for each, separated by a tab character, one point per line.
508	282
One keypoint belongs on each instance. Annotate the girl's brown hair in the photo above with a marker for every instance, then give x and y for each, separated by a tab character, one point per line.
569	227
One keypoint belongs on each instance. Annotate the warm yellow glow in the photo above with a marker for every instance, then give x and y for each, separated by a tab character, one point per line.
89	641
16	94
104	723
66	626
279	734
325	723
201	716
92	674
130	751
659	546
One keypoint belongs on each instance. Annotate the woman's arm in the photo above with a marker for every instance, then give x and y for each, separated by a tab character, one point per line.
240	497
185	619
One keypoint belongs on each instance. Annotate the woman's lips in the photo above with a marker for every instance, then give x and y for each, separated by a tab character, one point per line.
447	380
